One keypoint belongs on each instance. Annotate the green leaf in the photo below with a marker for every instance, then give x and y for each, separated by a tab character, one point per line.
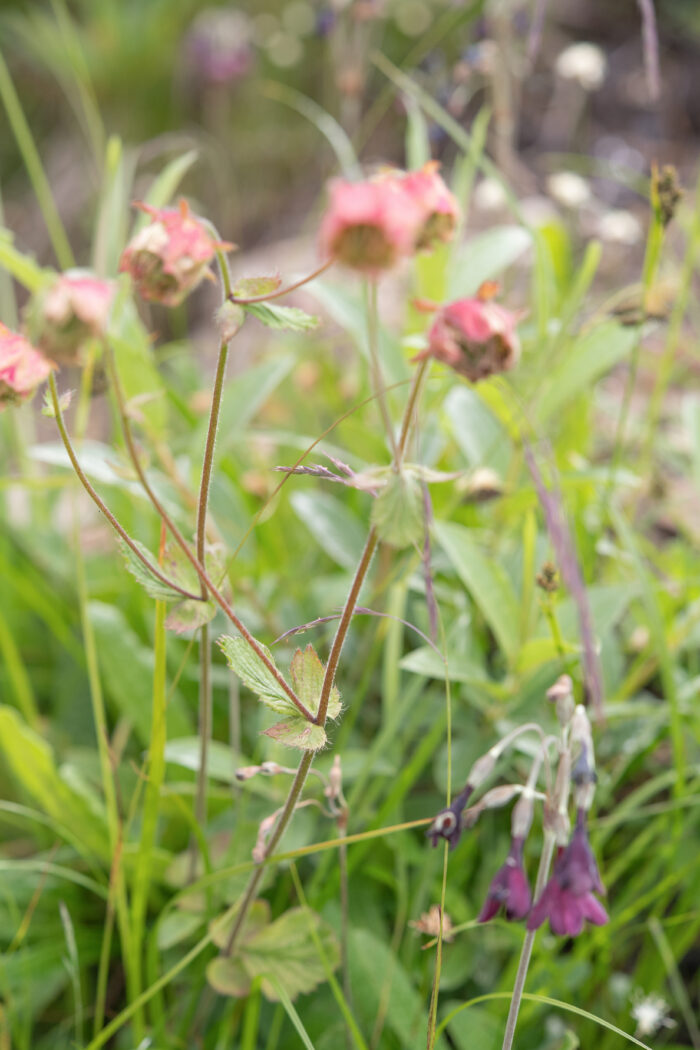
133	356
307	674
298	732
487	583
154	587
479	434
243	397
337	530
588	358
248	287
398	513
30	761
251	670
190	614
486	256
289	318
22	267
165	185
282	953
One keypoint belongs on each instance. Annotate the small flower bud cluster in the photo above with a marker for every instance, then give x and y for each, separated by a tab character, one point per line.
567	900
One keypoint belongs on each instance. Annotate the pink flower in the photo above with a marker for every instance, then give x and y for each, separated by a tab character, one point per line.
370	225
169	257
73	310
440	209
476	337
567	899
509	887
22	368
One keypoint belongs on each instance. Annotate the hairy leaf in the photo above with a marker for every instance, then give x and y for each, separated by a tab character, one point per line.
307	674
290	318
298	732
283	952
254	674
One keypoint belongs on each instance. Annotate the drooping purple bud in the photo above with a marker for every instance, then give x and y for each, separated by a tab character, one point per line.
448	823
509	887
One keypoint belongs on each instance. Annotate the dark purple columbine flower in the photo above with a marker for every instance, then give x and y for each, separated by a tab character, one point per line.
567	899
448	823
509	887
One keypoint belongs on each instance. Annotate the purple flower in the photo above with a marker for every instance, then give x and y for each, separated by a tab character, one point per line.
567	899
448	823
509	887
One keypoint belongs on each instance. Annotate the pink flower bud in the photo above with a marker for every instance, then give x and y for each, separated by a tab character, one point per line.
476	337
168	258
73	310
22	368
509	888
370	225
440	209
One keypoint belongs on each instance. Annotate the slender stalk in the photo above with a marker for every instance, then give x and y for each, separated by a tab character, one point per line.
285	816
413	396
177	536
375	367
205	700
521	975
278	293
133	547
156	775
328	680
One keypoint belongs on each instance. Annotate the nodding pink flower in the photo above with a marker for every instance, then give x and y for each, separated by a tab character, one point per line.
440	209
370	225
476	337
567	899
73	310
168	258
448	823
22	367
509	887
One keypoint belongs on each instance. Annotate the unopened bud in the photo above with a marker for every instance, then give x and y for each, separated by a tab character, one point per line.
271	769
246	772
583	773
493	799
264	830
561	694
666	192
483	768
521	817
547	578
335	780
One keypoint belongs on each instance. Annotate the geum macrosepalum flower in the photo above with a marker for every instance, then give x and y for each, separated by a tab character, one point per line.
370	225
476	337
70	312
567	899
509	887
440	208
168	258
22	367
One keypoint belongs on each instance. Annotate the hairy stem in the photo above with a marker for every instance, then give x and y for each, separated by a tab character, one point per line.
179	539
204	639
133	547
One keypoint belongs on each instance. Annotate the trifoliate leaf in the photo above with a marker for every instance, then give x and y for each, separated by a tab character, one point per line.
307	674
290	318
190	614
398	513
249	287
64	401
296	731
251	670
284	954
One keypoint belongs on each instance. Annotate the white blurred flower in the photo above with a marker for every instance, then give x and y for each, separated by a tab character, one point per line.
489	195
569	189
584	63
538	210
651	1013
620	227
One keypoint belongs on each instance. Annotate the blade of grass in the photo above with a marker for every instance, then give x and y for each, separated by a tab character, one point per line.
35	169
